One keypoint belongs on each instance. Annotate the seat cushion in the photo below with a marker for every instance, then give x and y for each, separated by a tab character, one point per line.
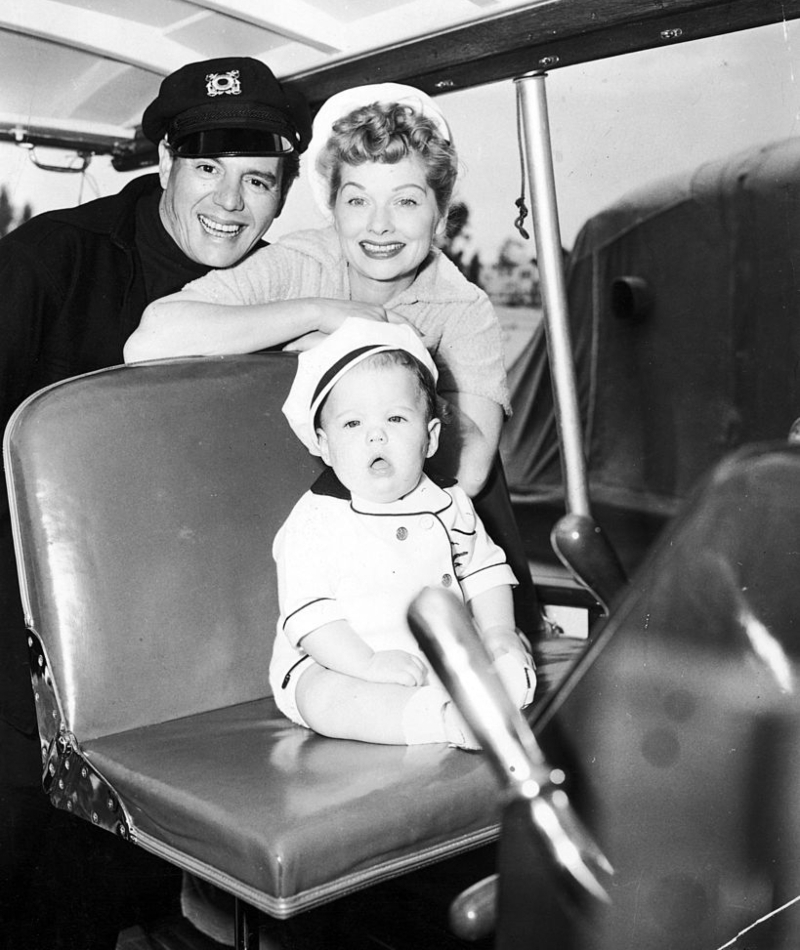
286	819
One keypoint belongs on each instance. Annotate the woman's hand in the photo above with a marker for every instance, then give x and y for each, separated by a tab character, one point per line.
186	325
306	342
332	313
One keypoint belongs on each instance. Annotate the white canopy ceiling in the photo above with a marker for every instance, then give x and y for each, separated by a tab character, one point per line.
89	67
78	73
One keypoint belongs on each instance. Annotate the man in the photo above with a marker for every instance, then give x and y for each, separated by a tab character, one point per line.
74	284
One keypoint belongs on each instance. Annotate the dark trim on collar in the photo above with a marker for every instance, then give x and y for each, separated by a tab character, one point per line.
443	481
329	484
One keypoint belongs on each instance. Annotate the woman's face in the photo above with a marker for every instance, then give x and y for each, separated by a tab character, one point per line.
387	218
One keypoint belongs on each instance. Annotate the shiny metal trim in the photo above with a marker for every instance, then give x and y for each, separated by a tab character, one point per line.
69	780
531	97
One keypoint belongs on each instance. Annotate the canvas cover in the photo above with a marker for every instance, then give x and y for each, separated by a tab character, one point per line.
679	728
684	302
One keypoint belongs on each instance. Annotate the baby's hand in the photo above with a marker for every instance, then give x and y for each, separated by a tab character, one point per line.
395	666
517	673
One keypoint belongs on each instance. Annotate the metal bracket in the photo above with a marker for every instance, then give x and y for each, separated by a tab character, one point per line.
71	782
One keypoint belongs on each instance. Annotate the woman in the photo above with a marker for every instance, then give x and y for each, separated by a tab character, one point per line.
383	168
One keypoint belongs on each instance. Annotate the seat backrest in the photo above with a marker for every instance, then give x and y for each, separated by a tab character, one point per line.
145	499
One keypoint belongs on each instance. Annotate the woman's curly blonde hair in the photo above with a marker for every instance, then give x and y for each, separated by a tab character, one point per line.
388	134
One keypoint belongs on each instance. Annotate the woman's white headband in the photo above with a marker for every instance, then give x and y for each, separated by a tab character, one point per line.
342	104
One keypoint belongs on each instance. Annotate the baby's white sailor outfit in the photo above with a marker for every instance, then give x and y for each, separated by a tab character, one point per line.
343	558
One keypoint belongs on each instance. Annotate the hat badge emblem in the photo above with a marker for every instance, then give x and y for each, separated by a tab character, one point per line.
223	84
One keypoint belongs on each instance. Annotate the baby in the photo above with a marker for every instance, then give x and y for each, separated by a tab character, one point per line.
369	535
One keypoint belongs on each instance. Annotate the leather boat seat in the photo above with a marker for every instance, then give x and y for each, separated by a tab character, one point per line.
144	500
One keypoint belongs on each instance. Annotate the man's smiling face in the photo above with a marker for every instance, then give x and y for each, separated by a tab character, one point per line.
217	209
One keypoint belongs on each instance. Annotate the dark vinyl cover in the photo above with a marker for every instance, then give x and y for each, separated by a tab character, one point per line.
146	500
701	359
679	727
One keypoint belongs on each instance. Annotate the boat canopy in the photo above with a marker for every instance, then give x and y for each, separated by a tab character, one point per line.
683	301
77	74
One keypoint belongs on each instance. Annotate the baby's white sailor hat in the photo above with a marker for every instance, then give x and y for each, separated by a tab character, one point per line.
348	100
321	367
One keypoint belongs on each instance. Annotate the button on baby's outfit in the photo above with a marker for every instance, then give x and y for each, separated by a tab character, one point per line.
447	580
401	534
426	521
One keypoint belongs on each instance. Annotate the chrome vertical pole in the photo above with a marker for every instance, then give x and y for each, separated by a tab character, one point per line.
532	103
